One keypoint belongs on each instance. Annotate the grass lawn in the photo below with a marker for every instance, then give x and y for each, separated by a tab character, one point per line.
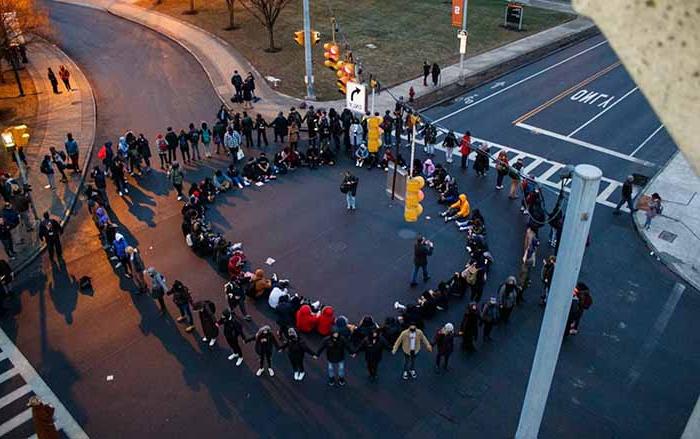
15	110
404	33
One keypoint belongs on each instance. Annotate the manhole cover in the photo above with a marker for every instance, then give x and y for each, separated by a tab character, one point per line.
668	236
338	246
407	234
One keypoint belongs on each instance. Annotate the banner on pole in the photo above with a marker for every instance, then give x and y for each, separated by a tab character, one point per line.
457	13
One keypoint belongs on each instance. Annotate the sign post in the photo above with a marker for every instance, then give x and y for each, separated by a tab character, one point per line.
356	97
514	16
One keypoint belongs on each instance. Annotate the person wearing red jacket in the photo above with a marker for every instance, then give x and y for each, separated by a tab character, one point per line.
306	320
326	320
465	148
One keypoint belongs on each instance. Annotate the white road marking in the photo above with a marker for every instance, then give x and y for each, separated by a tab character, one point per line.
529	168
605	194
587	145
603	112
641	145
515	84
8	374
35	383
15	422
551	171
15	394
652	340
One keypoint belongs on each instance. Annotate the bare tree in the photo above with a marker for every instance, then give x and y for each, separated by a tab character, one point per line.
20	20
266	12
231	23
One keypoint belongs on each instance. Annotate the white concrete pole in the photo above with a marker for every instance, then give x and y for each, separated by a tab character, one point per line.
309	78
577	223
465	4
692	428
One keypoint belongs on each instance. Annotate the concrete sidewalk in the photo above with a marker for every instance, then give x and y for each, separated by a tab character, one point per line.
219	59
675	235
70	111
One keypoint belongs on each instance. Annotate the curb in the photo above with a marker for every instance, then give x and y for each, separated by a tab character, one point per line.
477	79
86	164
660	255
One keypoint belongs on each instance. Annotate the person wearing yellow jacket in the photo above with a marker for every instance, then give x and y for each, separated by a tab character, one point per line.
460	209
410	341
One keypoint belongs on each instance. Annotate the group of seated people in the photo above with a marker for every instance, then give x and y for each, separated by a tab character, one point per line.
363	158
291	158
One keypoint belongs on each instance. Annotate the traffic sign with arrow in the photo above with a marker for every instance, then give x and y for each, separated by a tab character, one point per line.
356	97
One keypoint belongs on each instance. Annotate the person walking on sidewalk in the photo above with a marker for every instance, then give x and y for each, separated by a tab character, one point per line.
50	232
53	81
426	73
655	208
46	169
182	299
158	288
73	152
177	178
237	82
626	196
410	341
435	72
335	347
59	159
349	188
64	74
422	249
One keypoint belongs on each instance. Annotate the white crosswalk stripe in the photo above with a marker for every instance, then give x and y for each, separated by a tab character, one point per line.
18	382
543	170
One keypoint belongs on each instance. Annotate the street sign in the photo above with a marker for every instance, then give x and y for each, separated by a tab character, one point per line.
514	16
462	37
356	97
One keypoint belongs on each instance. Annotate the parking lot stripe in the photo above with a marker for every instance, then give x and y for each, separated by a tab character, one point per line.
8	374
565	93
587	145
15	422
12	396
605	194
529	168
515	84
641	145
603	112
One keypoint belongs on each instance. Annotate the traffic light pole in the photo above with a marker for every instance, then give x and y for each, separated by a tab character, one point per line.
25	182
413	151
577	223
461	53
309	78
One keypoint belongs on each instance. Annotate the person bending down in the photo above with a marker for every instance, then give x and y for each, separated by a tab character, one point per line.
458	210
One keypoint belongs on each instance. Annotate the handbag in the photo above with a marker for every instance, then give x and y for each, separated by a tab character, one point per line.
240	155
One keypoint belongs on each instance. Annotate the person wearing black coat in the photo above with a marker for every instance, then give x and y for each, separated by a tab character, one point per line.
235	296
335	347
469	329
444	341
285	315
390	330
373	346
296	348
207	317
232	332
144	151
280	127
264	342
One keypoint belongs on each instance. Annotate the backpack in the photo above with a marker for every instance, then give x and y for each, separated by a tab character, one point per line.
586	300
470	274
103	153
206	136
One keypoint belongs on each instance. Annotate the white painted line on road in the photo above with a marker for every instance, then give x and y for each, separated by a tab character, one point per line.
588	145
529	168
63	418
641	145
603	112
12	396
654	337
515	84
605	194
517	157
8	374
15	422
551	171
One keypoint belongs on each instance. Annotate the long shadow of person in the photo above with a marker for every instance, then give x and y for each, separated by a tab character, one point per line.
63	290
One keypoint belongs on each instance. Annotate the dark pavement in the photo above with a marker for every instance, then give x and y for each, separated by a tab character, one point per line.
620	377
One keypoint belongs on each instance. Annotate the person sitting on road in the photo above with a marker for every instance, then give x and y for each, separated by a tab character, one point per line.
260	284
387	158
361	155
263	167
221	182
290	158
235	176
475	224
250	171
313	158
450	195
437	177
277	292
327	156
235	264
458	210
428	168
326	321
306	319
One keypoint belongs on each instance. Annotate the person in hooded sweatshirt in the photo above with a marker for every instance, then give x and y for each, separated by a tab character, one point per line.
207	317
444	342
235	296
335	347
469	328
182	299
232	332
265	341
459	210
507	296
326	320
296	348
306	319
285	315
373	346
119	247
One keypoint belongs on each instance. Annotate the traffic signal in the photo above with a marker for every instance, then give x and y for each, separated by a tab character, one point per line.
414	195
374	132
331	52
299	37
315	37
345	73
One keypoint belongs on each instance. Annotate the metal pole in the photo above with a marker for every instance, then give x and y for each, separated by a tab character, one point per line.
23	176
579	215
464	29
413	151
309	79
372	110
692	428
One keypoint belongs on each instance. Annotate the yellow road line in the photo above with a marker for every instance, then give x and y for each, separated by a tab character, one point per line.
566	92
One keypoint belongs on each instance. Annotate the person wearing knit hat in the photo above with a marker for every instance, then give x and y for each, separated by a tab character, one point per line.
489	317
444	341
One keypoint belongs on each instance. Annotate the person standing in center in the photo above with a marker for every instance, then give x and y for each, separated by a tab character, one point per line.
410	341
349	188
50	232
264	342
335	347
421	251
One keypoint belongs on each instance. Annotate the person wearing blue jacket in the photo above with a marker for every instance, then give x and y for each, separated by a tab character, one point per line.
119	246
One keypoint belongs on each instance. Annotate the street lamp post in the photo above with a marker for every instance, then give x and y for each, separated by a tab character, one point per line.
463	44
309	78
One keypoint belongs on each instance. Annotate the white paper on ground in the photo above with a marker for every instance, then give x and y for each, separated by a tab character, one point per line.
270	261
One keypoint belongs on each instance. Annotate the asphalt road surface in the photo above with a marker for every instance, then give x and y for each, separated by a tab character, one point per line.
631	371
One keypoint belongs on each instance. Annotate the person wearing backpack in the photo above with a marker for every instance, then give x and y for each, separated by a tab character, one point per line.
59	159
581	301
172	140
46	169
206	139
489	317
194	136
507	295
177	178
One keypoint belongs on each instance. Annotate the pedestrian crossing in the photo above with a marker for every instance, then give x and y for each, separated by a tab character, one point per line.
18	383
543	170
